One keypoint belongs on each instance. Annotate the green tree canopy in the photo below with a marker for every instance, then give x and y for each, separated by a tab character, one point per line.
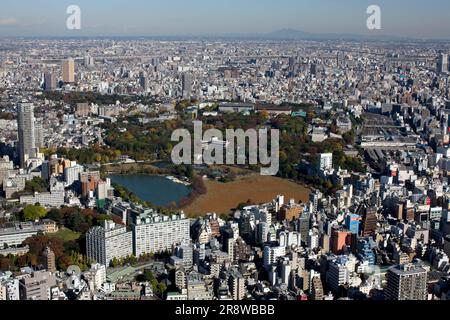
34	212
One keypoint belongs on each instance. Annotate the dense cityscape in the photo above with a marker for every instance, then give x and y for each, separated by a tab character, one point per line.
364	146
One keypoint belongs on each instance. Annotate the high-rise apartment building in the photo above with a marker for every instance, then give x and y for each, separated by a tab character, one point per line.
72	174
26	130
82	109
68	71
406	282
187	82
110	241
236	283
313	69
49	81
290	212
442	63
143	81
157	233
96	276
340	271
271	254
39	133
303	223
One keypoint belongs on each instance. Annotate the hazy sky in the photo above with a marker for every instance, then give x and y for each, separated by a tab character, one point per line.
418	18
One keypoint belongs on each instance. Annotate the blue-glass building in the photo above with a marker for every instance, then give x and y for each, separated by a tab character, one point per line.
352	223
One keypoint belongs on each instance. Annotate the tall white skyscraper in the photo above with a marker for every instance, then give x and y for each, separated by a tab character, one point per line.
442	63
26	132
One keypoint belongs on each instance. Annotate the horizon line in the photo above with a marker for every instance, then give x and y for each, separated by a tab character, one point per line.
298	35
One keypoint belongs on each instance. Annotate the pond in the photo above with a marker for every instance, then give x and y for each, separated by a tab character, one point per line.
158	190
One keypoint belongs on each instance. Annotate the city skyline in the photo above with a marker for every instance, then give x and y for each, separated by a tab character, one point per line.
136	162
413	19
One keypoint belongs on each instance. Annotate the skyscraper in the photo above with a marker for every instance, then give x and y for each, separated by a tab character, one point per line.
303	226
406	282
68	71
291	64
143	80
49	81
339	58
313	69
26	132
442	63
187	85
39	133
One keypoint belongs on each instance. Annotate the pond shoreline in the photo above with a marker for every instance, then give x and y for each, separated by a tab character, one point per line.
156	189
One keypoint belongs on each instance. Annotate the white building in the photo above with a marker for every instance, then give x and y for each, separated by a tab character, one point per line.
313	240
326	162
46	199
72	174
157	233
108	242
96	276
15	234
176	296
340	271
272	253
